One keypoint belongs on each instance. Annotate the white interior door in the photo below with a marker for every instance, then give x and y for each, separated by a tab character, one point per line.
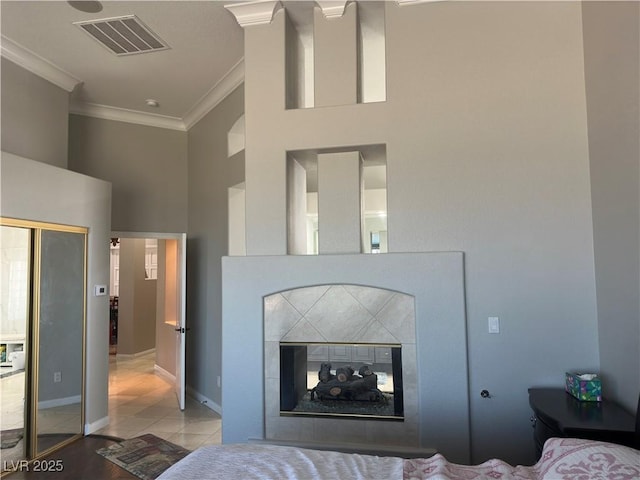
181	324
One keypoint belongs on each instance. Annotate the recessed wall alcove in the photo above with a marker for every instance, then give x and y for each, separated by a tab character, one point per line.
335	55
337	200
236	137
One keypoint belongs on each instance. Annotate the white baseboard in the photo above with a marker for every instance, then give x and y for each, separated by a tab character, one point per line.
134	355
59	402
89	428
207	402
164	374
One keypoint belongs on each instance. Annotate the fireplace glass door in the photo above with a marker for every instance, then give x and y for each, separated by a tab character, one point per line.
354	380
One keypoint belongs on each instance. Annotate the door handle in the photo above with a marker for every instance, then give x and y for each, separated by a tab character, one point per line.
182	329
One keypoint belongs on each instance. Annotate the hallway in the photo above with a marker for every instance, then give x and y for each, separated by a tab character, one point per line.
141	401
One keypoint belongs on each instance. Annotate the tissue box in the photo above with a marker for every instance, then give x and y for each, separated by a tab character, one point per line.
583	390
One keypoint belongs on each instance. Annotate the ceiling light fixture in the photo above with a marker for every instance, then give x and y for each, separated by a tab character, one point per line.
151	102
86	6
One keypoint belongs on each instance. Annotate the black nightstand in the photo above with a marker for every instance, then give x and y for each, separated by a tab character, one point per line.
558	414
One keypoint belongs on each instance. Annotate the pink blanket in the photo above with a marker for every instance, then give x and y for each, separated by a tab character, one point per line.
562	459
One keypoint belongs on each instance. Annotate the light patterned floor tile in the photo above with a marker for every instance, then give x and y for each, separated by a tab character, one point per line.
141	402
206	427
190	441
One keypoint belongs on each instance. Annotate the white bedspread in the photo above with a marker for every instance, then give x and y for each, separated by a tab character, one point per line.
258	462
562	459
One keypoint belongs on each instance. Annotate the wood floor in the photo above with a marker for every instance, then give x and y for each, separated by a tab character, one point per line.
77	461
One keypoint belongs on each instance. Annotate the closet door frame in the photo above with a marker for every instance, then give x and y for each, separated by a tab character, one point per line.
33	330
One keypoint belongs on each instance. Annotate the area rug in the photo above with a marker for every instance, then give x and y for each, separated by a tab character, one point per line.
146	456
10	438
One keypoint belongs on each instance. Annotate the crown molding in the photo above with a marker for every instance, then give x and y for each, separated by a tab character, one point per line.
37	65
407	3
332	8
259	12
215	95
129	116
46	70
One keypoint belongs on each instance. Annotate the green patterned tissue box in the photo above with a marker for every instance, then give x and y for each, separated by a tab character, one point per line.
585	387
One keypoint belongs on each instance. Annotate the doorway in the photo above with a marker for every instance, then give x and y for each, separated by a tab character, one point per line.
133	315
148	289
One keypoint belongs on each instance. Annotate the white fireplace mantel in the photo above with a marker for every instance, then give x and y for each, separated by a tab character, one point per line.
435	280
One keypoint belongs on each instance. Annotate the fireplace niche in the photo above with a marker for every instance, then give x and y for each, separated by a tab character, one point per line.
353	323
341	380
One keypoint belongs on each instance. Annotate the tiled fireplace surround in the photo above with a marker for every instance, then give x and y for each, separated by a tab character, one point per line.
416	298
340	314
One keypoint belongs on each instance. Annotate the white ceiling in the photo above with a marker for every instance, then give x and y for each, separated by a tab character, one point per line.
207	47
206	44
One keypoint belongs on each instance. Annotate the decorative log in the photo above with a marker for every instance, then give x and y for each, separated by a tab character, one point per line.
360	388
324	375
344	374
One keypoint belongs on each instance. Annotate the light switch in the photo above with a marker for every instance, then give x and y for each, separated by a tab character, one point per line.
494	324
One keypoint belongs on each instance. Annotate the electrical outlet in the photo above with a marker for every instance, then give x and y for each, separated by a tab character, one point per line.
493	325
57	377
219	381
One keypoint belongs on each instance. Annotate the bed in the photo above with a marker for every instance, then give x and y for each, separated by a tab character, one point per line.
562	458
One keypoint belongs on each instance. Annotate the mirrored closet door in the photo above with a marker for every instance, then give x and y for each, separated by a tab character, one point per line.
15	267
54	333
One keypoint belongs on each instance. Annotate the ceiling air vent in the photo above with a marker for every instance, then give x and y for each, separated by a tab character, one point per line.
123	35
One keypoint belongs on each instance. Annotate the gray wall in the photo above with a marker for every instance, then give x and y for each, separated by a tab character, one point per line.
137	301
612	74
35	127
487	153
36	191
146	165
211	173
34	116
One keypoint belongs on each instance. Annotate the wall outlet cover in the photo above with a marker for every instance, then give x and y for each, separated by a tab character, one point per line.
494	325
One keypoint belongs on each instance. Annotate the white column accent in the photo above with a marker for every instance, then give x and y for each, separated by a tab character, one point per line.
296	208
339	202
335	49
259	12
332	8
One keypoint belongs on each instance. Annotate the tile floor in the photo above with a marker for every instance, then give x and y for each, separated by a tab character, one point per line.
141	401
11	411
12	396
